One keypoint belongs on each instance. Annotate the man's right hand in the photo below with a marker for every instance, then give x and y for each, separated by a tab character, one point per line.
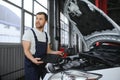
37	61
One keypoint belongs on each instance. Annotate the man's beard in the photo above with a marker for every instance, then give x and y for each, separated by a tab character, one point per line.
39	27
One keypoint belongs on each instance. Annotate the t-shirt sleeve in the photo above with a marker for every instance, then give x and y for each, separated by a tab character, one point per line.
48	38
27	35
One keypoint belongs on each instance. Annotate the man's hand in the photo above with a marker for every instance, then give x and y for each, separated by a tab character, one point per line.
58	52
37	61
50	51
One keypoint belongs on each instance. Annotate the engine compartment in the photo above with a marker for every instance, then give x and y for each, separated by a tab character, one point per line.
105	55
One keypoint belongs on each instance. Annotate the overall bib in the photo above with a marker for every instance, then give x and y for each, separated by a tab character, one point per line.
33	71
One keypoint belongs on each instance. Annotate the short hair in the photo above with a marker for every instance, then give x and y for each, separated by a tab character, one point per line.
46	16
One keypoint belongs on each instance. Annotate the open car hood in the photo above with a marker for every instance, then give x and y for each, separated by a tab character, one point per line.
92	23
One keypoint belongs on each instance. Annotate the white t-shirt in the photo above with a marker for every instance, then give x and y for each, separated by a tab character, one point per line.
41	36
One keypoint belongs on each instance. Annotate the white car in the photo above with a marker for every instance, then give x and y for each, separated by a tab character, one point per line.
101	39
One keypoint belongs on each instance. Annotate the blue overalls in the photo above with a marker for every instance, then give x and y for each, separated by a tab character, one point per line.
33	71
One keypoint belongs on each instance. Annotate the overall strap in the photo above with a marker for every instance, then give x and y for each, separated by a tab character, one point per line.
46	37
34	35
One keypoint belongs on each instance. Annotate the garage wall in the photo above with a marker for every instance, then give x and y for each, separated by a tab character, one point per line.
11	62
